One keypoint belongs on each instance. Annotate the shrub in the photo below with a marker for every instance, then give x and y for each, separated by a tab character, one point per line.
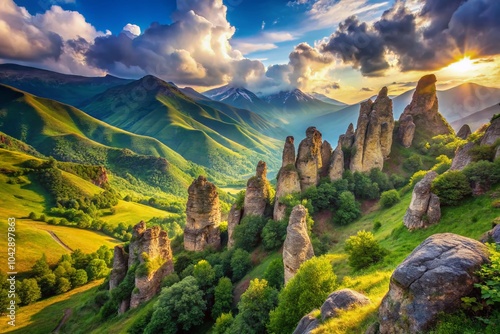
389	198
273	234
363	250
442	165
223	297
398	181
240	264
413	163
364	187
377	225
417	177
451	187
274	274
348	210
380	178
483	173
223	323
482	152
29	291
248	233
321	197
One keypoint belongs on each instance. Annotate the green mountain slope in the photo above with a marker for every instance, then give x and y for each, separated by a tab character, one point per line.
157	109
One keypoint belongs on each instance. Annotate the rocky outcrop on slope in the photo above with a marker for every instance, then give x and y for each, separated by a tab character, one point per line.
326	156
424	110
406	130
373	138
309	158
288	157
202	216
337	165
307	324
464	132
257	193
233	220
424	207
492	133
288	180
462	157
297	247
120	267
431	280
342	300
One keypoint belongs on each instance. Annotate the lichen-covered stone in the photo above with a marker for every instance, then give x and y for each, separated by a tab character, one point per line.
307	324
341	300
424	209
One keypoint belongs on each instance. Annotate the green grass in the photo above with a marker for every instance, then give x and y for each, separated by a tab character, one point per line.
131	213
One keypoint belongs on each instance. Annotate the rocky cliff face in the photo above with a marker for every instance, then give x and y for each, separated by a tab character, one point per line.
150	251
102	177
233	220
297	247
288	157
337	165
424	207
462	157
288	179
326	156
257	193
464	131
424	111
309	158
203	216
492	133
430	281
406	130
373	138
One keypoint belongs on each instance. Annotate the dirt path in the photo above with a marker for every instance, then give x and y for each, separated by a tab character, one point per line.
59	241
67	313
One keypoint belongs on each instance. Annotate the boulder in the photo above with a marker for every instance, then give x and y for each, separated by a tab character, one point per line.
309	158
492	133
202	216
464	132
342	300
430	281
462	157
406	130
297	247
424	207
120	267
337	165
306	324
233	220
495	234
257	193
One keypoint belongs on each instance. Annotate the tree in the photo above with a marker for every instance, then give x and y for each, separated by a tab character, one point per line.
483	173
29	291
180	306
380	178
363	250
41	267
451	187
223	297
307	290
389	198
274	274
63	284
204	274
240	264
348	210
254	307
274	234
47	284
247	233
96	269
79	278
413	163
223	323
364	187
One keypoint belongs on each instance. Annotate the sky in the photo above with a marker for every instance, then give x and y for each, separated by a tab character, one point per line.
345	49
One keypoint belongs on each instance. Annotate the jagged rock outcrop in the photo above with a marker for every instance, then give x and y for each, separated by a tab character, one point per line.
120	267
373	138
309	158
431	280
337	165
464	131
424	207
342	300
288	180
233	220
424	110
307	324
406	130
347	139
297	247
202	216
492	133
257	193
497	153
101	178
462	157
326	156
495	234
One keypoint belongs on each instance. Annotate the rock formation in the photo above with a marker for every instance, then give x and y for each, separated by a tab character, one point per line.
406	130
147	246
431	280
233	220
307	324
101	178
202	216
342	300
464	131
326	156
288	179
257	193
495	234
373	138
337	165
492	133
297	247
424	110
309	158
424	207
462	157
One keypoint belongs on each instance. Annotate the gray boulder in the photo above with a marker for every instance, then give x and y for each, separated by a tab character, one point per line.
342	300
306	324
424	209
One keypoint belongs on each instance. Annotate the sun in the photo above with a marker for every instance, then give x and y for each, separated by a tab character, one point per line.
461	66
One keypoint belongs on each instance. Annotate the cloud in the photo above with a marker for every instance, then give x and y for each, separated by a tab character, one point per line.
132	30
265	40
366	89
263	25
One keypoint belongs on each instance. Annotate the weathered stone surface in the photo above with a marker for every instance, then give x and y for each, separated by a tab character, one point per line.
373	329
462	157
424	109
309	158
464	131
257	193
233	220
288	152
288	183
406	130
151	245
120	267
359	141
101	178
124	306
431	280
203	216
424	207
495	234
306	324
383	107
497	153
337	164
347	140
342	300
297	247
326	157
492	133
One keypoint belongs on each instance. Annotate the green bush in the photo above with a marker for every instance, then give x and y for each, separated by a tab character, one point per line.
417	177
363	187
377	225
223	323
240	264
273	234
483	173
274	274
389	198
442	165
223	297
348	211
451	187
247	235
413	163
380	178
363	250
482	152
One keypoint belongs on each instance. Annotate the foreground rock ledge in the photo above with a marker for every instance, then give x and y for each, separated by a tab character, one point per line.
432	279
